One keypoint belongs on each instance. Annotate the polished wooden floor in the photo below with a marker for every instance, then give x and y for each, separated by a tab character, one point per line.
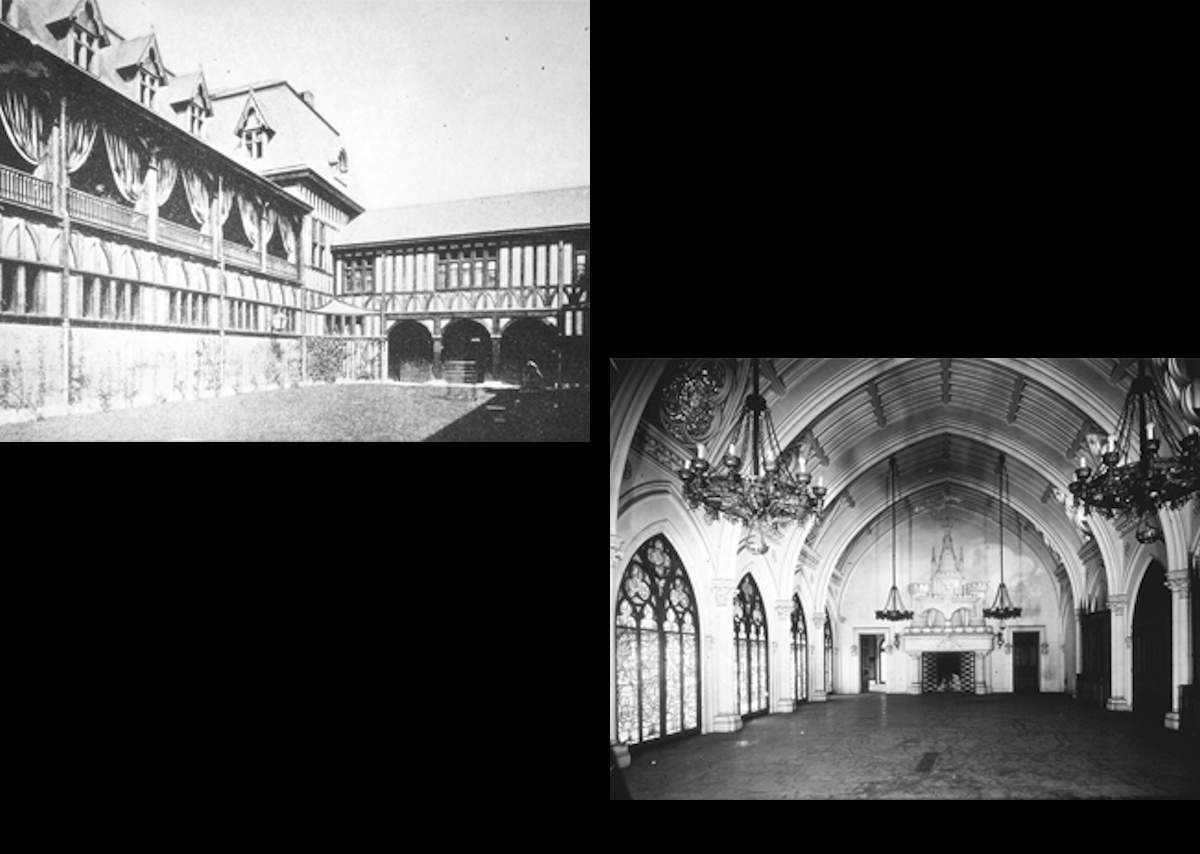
937	746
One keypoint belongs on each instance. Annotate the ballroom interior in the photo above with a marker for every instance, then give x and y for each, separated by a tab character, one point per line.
903	577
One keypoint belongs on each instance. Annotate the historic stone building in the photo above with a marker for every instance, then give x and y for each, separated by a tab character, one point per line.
711	626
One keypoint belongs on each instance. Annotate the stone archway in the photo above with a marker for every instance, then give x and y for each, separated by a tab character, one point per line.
410	352
1152	645
528	339
468	341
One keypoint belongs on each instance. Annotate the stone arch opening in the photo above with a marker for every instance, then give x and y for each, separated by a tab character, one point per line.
527	339
1152	645
468	341
410	352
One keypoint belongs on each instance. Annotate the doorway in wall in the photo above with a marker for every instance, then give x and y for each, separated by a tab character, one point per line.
1152	646
1025	662
869	646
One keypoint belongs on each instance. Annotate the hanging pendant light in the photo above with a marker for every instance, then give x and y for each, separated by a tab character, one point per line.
894	608
1139	488
1002	608
771	495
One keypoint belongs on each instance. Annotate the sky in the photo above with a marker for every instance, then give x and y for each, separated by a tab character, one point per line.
434	99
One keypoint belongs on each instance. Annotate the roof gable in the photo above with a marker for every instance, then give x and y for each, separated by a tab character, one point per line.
252	116
186	87
141	51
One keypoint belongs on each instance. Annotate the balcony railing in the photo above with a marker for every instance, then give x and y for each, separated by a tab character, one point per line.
107	214
281	267
242	256
25	189
182	237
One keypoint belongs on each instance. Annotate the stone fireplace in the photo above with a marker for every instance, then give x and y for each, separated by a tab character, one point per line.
947	672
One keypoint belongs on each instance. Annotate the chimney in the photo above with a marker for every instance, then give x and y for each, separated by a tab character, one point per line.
309	99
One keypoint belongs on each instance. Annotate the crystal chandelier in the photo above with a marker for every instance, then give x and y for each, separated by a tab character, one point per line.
767	498
894	608
1003	608
1138	488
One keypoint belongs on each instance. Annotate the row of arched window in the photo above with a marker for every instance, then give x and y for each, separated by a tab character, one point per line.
658	643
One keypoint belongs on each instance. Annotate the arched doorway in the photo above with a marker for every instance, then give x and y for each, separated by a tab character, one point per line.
750	637
658	644
468	341
528	339
1152	646
410	352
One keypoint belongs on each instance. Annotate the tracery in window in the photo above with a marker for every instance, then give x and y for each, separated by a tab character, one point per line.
828	654
799	650
750	640
657	641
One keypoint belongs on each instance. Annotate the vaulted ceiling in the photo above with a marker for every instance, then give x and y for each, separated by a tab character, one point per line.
946	420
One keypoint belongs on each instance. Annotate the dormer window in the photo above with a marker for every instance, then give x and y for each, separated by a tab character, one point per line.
83	48
254	142
147	83
196	118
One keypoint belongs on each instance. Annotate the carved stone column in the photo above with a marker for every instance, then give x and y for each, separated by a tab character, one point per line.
722	672
914	672
615	560
782	679
1118	700
816	660
1078	663
1181	639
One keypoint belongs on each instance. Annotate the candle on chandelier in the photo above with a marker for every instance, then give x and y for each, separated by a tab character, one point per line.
700	450
1082	462
1112	444
732	450
1150	430
821	480
802	463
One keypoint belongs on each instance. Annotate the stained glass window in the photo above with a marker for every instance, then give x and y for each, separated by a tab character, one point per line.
750	637
828	654
658	640
799	649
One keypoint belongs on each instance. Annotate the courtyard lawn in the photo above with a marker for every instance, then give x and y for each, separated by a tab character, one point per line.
387	413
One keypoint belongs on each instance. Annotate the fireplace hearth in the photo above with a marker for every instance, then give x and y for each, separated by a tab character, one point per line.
947	673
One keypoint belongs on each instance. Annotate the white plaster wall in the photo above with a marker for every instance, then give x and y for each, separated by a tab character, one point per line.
1030	584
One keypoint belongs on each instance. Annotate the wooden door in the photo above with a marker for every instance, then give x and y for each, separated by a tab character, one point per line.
1025	662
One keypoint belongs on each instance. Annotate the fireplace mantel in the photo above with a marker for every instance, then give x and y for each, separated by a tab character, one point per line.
960	639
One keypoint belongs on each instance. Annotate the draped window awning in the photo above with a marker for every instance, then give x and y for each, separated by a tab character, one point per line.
248	210
28	130
128	167
199	198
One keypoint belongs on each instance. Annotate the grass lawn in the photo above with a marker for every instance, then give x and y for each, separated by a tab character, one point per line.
382	413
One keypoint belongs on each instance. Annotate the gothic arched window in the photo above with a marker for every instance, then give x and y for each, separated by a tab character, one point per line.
658	646
828	654
750	637
799	649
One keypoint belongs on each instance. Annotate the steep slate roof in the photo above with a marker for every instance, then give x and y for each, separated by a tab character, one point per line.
303	137
182	87
516	212
130	52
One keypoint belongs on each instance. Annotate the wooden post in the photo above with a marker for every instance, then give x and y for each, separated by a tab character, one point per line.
218	236
303	300
60	194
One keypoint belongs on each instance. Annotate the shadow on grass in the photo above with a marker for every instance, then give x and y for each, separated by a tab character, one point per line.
515	416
